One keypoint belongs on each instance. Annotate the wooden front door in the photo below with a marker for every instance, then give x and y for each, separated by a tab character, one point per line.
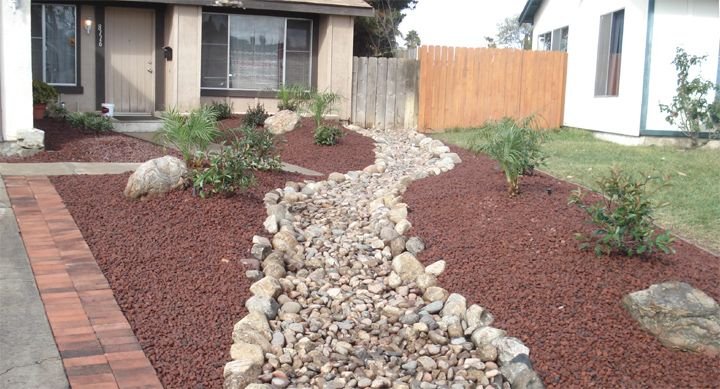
130	60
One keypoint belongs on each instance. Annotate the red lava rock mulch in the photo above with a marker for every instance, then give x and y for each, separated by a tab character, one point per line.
518	258
63	143
353	152
173	265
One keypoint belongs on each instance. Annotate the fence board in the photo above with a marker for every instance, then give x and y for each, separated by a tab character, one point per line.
381	92
462	87
359	116
371	106
391	93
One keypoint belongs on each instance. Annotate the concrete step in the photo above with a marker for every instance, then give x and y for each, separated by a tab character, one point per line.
142	124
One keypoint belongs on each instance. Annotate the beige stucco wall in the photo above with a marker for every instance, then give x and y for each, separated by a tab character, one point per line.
86	101
183	27
334	63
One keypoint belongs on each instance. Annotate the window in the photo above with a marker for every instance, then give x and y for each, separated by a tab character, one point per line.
607	76
544	41
555	40
255	53
54	52
560	39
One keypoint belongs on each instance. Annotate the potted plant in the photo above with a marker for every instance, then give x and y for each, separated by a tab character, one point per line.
42	95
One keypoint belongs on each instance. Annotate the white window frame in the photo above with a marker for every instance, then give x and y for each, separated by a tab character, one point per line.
284	60
44	44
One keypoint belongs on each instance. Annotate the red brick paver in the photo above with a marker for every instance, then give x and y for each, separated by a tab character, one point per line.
96	343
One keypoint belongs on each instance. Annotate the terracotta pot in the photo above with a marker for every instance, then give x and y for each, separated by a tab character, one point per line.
39	111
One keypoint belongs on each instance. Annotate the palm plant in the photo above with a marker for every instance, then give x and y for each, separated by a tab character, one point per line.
514	145
292	97
192	133
322	104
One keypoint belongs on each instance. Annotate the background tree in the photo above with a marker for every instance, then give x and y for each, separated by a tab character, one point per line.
376	36
514	35
412	39
490	41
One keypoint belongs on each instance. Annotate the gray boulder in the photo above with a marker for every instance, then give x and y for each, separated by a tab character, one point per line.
282	122
680	316
156	176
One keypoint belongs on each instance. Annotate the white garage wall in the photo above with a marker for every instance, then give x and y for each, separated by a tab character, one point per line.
691	24
619	114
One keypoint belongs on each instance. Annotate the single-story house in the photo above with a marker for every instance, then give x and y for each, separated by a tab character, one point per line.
150	56
620	55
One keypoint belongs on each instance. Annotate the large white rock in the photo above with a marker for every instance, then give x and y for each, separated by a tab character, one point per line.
282	122
407	266
156	176
31	138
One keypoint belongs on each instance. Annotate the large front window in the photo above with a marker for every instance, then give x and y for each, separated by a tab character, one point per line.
54	48
257	53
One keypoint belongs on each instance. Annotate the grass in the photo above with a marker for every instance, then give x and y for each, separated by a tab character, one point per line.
694	195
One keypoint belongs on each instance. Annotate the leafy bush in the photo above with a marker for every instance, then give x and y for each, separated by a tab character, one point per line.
624	216
90	121
327	135
690	108
255	116
514	145
57	111
222	173
322	104
191	134
222	109
257	147
292	97
43	93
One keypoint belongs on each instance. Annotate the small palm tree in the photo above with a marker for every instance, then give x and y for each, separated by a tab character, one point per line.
190	133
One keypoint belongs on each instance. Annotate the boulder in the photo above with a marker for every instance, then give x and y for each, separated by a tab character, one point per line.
31	138
240	373
455	305
282	122
156	176
680	316
486	335
407	266
415	245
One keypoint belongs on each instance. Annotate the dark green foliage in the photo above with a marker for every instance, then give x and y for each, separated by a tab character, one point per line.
222	109
257	147
623	217
57	111
514	145
292	97
43	93
375	36
191	134
222	173
90	121
327	135
690	108
255	116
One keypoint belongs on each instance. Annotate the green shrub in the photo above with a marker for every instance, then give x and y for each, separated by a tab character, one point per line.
514	145
191	134
223	173
57	111
255	116
90	121
257	147
327	135
322	104
292	97
690	108
43	93
623	218
222	109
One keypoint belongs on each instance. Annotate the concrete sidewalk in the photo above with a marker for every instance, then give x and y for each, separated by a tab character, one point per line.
65	168
30	358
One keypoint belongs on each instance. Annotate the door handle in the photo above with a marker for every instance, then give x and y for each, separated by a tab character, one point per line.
149	69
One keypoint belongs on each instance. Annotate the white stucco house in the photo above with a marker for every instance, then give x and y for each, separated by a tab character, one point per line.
620	55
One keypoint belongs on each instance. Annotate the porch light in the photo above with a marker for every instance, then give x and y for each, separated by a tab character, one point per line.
88	25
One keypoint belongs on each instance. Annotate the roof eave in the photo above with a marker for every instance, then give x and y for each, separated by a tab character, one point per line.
326	9
528	13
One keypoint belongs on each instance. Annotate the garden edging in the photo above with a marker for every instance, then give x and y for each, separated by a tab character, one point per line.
349	292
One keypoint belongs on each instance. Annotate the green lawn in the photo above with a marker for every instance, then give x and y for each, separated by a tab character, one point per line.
694	194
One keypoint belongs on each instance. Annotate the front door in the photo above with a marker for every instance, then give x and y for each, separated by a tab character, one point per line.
129	60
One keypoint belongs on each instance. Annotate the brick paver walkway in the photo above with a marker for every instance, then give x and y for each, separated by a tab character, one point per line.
96	343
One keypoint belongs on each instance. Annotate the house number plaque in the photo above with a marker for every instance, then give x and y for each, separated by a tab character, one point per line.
100	35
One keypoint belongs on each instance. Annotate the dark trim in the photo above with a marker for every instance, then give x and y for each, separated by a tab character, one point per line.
648	62
159	70
99	55
238	93
309	8
69	90
671	134
528	13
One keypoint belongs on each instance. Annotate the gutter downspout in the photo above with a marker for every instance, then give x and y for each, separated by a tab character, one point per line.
646	71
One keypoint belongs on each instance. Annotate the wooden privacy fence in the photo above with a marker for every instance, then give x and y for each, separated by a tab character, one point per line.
465	87
384	92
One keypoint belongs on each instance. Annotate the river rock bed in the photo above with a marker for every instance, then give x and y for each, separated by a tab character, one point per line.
340	299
